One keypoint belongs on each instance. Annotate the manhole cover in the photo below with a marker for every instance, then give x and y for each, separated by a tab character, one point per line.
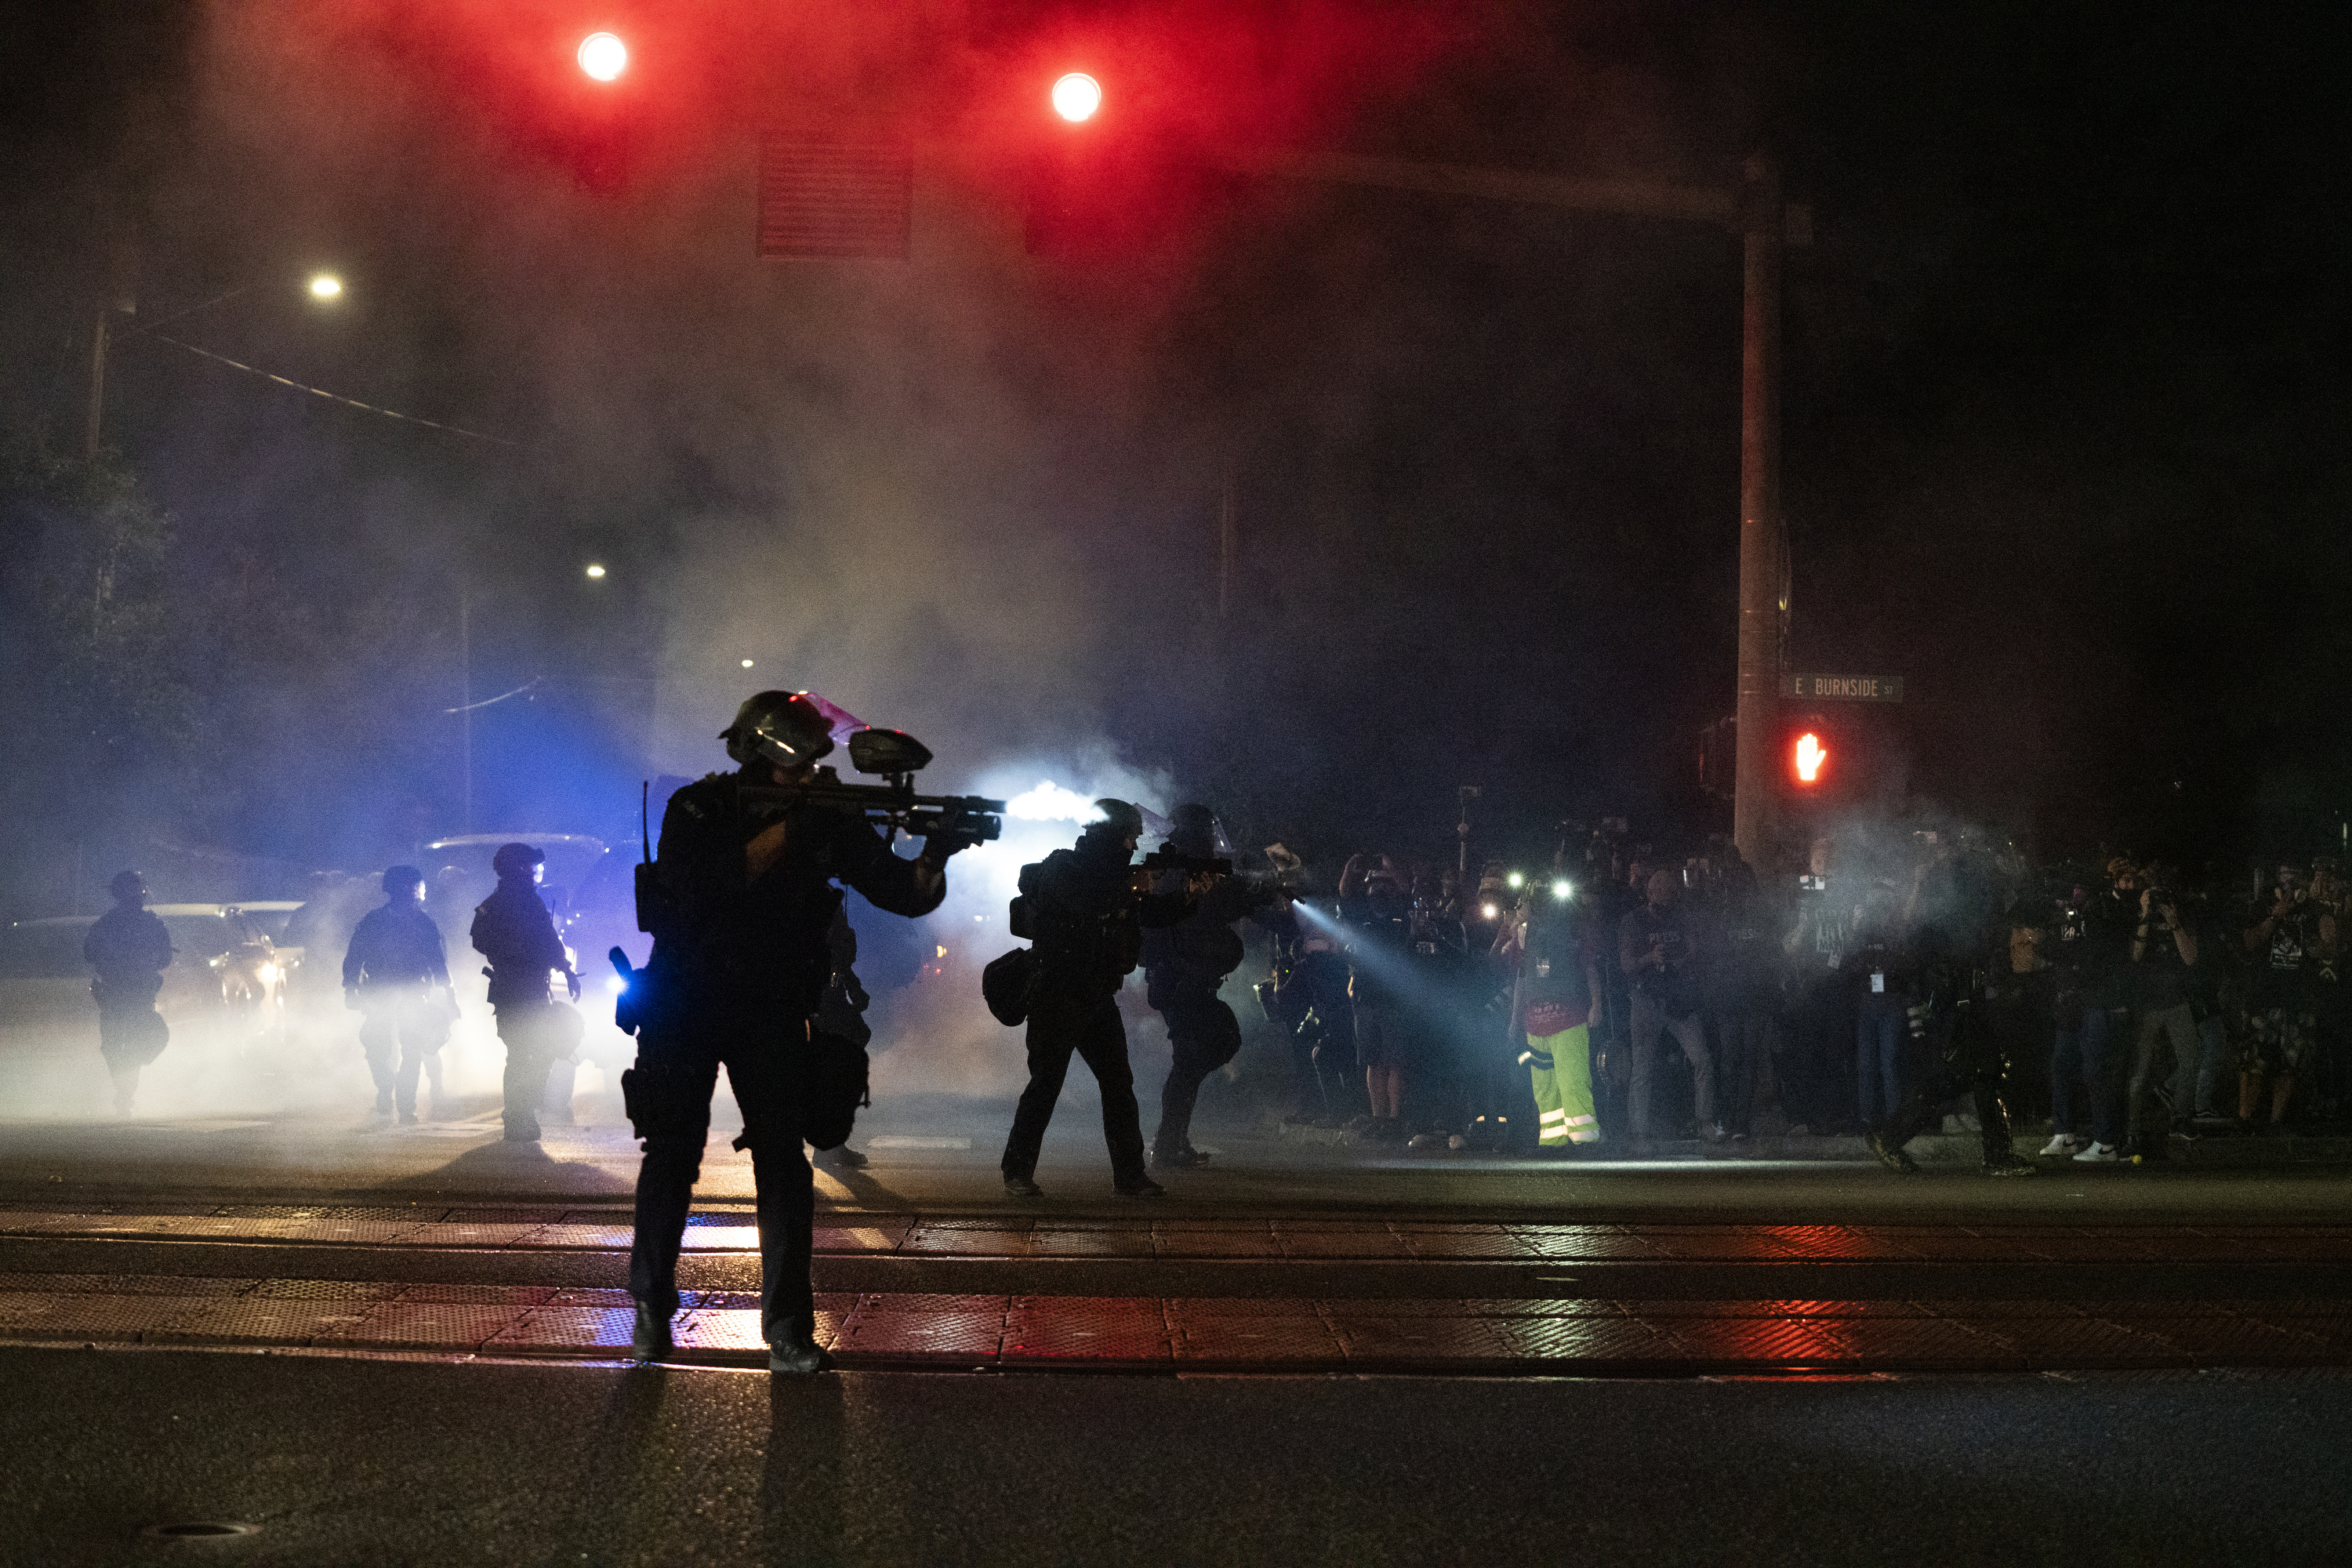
201	1530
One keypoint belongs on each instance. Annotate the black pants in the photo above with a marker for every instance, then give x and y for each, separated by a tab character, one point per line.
131	1034
1204	1036
668	1093
1743	1036
1060	1024
529	1032
399	1033
1972	1063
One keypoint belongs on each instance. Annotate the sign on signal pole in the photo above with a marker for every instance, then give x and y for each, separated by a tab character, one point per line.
1843	688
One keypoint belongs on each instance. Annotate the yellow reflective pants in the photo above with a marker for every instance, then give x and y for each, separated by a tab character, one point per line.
1562	1067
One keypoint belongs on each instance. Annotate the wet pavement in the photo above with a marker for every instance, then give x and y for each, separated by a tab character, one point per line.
1290	1347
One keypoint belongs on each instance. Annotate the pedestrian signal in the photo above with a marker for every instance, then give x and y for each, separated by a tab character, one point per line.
1809	758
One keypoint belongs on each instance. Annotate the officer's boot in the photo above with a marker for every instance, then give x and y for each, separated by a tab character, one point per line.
2000	1156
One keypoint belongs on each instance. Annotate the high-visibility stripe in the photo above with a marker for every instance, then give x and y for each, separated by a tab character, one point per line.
1558	1116
1585	1135
1580	1120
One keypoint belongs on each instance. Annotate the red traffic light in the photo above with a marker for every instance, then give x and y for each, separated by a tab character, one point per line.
1076	96
1809	758
604	57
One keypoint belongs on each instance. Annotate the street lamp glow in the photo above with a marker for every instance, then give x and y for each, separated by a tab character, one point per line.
596	571
602	55
747	664
1076	96
325	286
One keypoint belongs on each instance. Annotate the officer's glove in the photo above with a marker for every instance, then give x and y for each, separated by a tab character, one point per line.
571	984
942	844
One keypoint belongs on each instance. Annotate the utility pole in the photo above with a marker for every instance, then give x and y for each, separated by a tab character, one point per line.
121	294
1766	224
1763	539
1229	545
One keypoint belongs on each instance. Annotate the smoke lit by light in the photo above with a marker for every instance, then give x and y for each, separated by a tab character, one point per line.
1049	802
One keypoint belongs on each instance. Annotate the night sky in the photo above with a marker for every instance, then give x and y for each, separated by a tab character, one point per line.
2065	393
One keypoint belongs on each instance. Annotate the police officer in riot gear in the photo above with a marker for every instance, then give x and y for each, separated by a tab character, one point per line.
1953	942
129	949
390	970
1183	965
514	930
1088	921
740	907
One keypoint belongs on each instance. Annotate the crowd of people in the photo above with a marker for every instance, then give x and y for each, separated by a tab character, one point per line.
1630	998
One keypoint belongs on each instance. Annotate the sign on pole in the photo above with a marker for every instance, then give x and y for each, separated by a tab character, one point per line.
830	201
1843	688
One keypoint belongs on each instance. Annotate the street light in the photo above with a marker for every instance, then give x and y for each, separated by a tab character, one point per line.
1076	96
324	286
595	570
604	57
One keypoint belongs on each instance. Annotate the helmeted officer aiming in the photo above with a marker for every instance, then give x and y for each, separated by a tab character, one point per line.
391	970
129	947
514	930
1183	966
743	903
1087	921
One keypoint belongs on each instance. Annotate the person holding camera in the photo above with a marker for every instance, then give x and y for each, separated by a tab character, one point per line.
1658	954
1089	916
2164	952
741	903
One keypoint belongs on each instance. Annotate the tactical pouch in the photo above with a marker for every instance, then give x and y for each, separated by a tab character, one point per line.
662	1104
1024	928
837	1085
1007	984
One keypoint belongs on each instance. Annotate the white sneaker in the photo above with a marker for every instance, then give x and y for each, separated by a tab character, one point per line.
2097	1155
2065	1143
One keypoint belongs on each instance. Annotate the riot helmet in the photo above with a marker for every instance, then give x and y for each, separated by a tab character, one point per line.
402	881
128	887
1193	830
782	728
1117	820
517	862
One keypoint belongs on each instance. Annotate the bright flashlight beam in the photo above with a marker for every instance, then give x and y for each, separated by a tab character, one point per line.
1562	888
602	55
1076	96
325	286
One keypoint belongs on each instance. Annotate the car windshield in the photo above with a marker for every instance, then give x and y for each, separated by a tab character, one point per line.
269	922
202	936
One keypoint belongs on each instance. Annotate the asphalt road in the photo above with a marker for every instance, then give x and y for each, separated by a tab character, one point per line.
484	1456
351	1461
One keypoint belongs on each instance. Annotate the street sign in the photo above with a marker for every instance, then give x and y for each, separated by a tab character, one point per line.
834	201
1843	688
